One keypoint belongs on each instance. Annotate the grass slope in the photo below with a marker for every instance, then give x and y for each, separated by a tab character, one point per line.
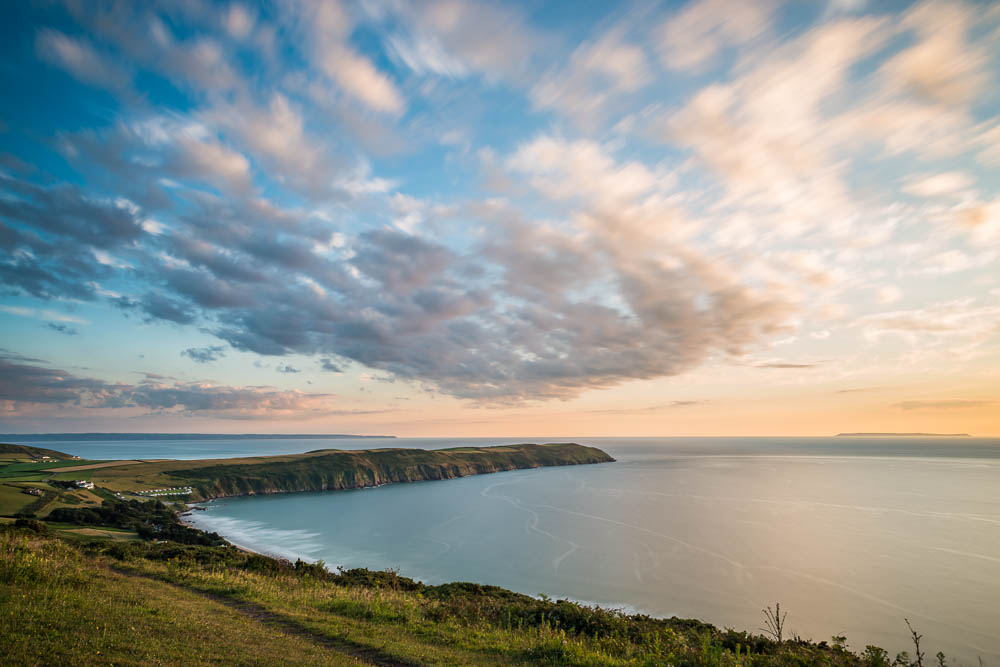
13	499
9	451
61	607
146	603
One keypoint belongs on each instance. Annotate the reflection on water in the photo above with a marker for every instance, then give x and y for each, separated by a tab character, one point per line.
848	544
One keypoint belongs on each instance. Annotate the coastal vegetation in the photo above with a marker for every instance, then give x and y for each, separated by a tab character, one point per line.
145	602
10	452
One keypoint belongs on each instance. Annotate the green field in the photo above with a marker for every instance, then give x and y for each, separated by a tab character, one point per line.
13	499
12	469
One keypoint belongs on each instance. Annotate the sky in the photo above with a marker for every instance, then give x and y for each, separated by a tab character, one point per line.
461	218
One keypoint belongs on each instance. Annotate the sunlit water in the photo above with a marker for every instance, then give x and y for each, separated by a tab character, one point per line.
851	536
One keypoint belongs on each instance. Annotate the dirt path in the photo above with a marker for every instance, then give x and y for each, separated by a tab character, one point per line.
259	614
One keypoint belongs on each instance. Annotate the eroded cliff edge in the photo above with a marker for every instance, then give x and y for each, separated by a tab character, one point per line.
338	469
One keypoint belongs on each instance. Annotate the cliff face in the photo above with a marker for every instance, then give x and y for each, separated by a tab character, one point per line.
358	469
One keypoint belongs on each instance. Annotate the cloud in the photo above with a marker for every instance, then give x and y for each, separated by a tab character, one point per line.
143	38
425	55
784	365
157	306
11	356
239	21
225	401
766	135
361	79
22	311
276	136
692	39
672	405
329	366
204	355
454	38
327	28
581	169
25	387
942	404
958	326
66	211
949	261
62	328
941	67
215	161
888	294
286	368
947	184
923	96
28	383
598	74
981	221
79	58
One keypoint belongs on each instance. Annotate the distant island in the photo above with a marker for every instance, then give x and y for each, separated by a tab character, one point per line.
904	435
90	437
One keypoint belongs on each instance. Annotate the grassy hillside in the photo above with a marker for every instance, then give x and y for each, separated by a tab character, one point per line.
164	603
325	470
63	607
8	452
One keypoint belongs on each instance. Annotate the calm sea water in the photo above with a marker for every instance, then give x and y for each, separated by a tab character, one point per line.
850	535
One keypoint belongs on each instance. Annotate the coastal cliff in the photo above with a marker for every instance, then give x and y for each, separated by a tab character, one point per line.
329	470
338	470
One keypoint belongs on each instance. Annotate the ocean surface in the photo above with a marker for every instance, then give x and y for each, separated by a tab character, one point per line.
850	535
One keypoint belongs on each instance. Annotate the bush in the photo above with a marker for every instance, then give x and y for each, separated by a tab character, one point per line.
375	579
152	520
34	525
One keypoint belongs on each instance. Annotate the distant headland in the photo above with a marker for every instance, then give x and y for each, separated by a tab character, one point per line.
904	435
85	437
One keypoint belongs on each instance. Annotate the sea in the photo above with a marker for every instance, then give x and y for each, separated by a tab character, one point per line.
852	536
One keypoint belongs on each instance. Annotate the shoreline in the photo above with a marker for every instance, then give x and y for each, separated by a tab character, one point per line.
619	607
183	520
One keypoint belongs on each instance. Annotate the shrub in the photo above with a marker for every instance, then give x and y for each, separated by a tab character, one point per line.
34	525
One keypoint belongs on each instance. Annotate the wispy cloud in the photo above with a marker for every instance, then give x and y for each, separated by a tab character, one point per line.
62	328
943	404
43	314
25	385
204	355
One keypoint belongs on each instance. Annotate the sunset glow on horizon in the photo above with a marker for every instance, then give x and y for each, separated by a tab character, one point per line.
458	218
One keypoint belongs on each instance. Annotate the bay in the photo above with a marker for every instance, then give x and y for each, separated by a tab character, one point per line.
851	535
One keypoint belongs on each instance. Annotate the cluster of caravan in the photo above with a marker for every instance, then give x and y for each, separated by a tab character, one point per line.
172	491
